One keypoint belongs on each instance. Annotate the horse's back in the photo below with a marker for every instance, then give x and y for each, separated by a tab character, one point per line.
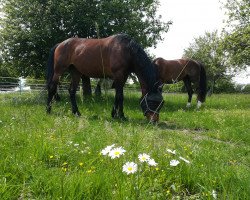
170	71
89	56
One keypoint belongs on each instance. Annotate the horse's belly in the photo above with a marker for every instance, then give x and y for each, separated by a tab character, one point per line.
95	71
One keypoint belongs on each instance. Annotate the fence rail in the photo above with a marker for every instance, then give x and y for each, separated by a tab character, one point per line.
11	84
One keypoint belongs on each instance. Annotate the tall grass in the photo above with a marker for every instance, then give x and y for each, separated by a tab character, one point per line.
58	156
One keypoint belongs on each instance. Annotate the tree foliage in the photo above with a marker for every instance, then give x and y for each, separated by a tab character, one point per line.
208	50
237	34
30	28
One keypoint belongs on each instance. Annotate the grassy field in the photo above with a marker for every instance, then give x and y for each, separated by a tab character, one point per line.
58	156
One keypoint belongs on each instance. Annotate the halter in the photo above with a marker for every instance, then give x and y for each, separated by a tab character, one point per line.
156	111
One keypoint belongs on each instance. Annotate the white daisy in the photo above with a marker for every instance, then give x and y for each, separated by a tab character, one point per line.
106	150
143	157
152	162
116	152
185	160
129	167
174	162
172	152
214	194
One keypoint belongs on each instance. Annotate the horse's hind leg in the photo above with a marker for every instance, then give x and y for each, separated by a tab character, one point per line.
75	78
86	86
98	91
190	91
52	89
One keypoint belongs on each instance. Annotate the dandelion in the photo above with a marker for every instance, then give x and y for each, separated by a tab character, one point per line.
152	162
185	160
51	157
129	167
174	163
80	164
143	157
64	169
65	166
91	170
116	152
172	152
107	150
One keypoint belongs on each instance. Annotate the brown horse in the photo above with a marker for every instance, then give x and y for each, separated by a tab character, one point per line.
114	57
187	70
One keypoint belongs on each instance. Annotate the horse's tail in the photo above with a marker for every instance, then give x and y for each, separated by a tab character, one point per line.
202	83
50	65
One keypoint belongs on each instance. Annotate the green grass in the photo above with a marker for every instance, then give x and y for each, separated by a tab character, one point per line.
57	156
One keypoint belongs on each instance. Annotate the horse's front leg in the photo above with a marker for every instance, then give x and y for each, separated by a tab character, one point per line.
117	111
72	92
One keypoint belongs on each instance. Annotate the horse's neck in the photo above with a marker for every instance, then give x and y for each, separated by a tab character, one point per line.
144	89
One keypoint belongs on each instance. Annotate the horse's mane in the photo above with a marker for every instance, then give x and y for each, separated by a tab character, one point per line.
141	60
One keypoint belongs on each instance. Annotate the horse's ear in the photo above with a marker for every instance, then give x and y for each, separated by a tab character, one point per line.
160	87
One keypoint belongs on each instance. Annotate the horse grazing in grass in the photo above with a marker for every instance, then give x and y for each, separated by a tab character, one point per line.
113	57
187	70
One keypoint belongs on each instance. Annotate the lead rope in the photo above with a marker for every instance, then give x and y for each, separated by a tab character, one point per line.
148	109
103	72
175	81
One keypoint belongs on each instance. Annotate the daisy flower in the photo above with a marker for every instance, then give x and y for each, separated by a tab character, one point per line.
174	163
185	160
214	194
106	150
116	152
143	157
129	167
152	162
172	152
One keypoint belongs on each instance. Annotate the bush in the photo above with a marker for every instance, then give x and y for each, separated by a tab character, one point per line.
246	89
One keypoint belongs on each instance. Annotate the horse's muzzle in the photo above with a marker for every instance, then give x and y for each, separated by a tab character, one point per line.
152	117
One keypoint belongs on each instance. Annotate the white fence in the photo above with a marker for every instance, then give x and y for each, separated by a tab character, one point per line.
12	84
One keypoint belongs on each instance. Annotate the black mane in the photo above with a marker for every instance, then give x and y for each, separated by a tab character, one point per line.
141	61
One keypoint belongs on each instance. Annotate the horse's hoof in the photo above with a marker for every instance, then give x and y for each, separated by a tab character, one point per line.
77	114
48	110
123	118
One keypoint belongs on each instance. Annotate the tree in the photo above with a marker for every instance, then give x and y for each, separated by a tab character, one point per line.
237	34
208	50
30	28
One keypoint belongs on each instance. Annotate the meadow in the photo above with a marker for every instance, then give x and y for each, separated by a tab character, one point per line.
194	154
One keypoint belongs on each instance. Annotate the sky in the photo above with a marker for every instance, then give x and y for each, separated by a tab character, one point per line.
191	18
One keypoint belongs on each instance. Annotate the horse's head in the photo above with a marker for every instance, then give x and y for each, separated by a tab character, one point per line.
151	105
